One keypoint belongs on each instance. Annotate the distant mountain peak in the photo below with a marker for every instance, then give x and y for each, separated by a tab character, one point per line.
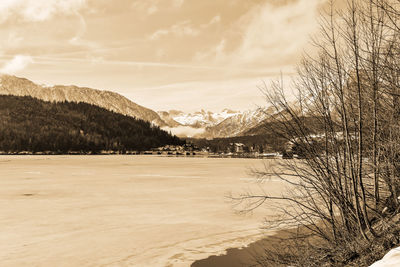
197	119
238	123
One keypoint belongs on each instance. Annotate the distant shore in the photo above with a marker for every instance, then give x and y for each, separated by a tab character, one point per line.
188	154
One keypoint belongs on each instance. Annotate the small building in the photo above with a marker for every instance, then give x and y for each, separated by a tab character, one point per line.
237	147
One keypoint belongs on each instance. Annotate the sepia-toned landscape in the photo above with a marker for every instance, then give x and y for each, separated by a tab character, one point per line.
206	133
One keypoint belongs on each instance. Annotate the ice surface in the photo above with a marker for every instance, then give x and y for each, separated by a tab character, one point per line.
122	210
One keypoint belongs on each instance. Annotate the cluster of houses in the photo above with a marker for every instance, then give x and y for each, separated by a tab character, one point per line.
186	150
233	150
241	150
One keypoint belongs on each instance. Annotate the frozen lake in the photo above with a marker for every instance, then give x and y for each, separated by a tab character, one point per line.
123	210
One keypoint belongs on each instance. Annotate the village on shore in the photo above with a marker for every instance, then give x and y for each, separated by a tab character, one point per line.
235	150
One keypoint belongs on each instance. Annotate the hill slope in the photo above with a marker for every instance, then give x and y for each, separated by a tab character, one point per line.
11	85
29	124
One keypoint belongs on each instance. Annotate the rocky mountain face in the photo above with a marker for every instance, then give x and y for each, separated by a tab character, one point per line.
199	119
11	85
238	124
206	124
169	120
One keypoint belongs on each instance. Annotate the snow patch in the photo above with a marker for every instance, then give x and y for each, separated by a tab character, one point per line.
391	259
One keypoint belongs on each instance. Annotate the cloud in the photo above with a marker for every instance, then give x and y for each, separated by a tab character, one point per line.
159	33
78	40
216	53
184	131
219	49
177	3
38	10
277	33
12	40
152	9
184	28
148	7
17	64
213	21
236	94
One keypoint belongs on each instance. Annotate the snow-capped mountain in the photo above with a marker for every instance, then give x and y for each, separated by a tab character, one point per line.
207	124
11	85
238	124
199	119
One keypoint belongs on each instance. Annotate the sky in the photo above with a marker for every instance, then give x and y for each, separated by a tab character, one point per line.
163	54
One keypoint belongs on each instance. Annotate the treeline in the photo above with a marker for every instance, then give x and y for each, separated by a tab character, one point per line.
32	125
263	143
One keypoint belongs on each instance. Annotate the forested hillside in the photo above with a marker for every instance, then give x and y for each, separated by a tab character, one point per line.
29	124
11	85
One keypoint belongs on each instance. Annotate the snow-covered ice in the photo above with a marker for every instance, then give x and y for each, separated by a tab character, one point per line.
122	210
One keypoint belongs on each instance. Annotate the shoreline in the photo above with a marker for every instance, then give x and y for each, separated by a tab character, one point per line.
245	256
215	156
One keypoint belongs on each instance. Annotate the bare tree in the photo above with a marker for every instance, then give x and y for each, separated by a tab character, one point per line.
343	121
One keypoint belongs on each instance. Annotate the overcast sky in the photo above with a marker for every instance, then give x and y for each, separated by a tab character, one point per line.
163	54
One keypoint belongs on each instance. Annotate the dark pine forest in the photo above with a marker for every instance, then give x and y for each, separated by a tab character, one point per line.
32	125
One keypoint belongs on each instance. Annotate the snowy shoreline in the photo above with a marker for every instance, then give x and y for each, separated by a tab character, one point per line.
391	259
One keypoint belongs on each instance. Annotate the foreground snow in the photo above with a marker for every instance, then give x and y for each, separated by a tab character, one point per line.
391	259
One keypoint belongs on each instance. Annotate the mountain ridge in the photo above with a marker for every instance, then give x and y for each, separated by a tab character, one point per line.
239	124
12	85
198	119
199	124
